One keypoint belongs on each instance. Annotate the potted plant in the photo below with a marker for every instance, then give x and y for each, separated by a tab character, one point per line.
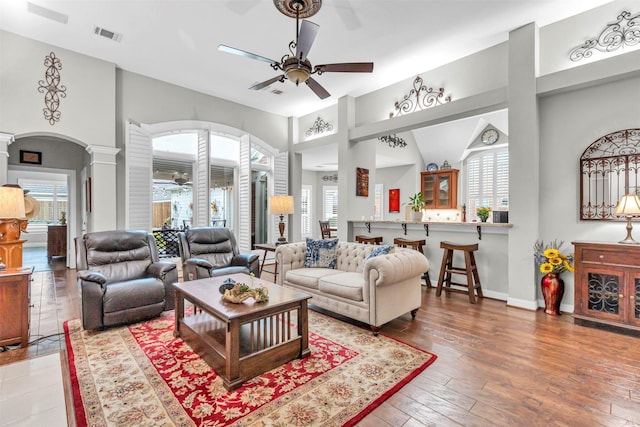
483	213
416	203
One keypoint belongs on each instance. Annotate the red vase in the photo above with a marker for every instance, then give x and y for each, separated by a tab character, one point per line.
552	291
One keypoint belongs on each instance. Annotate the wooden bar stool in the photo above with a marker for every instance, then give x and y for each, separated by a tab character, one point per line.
418	245
470	270
372	240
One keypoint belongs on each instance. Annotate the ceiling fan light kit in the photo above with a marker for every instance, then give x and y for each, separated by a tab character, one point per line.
295	66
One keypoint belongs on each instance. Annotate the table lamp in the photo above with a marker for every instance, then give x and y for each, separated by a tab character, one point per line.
281	205
629	206
12	214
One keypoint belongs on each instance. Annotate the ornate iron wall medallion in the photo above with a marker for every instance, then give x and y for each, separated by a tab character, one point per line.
419	98
52	88
623	32
319	127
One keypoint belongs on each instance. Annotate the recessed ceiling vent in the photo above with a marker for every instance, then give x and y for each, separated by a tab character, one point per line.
277	92
116	37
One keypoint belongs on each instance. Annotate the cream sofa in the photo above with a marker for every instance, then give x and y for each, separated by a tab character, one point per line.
373	291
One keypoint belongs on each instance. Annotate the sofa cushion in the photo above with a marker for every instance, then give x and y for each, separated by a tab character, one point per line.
132	294
308	277
321	253
346	285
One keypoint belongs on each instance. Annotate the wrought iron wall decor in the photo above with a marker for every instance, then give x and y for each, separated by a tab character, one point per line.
52	88
609	169
625	31
319	127
333	178
419	98
393	141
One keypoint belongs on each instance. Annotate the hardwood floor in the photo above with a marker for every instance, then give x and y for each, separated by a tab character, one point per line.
496	365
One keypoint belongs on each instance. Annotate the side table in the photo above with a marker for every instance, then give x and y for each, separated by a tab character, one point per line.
266	247
15	295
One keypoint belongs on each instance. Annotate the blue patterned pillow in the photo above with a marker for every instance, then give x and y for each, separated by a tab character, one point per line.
380	250
321	253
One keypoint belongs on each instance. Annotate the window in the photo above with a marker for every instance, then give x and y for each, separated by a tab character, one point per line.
52	197
378	200
487	178
330	204
305	210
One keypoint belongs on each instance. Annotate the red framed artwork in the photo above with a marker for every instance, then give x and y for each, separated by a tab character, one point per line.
362	182
394	200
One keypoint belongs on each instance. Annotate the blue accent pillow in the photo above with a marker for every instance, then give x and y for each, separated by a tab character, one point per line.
380	250
321	253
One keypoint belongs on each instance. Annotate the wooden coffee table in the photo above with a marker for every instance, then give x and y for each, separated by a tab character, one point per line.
241	341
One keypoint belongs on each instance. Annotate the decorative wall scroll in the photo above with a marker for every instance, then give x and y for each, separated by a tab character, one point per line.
609	169
52	88
319	127
362	182
394	200
625	31
419	98
333	178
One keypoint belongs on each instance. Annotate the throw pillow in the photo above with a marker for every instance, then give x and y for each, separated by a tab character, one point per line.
380	250
321	253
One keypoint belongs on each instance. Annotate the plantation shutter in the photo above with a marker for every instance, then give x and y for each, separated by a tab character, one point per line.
280	188
330	204
243	231
202	211
305	211
487	179
138	178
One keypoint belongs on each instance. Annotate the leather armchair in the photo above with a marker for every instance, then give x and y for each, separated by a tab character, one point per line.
213	251
120	278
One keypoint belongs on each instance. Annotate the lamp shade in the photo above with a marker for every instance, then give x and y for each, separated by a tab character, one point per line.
281	205
12	202
629	204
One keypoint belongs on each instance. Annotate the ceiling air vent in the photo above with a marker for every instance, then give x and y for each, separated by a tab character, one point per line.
277	92
47	13
106	33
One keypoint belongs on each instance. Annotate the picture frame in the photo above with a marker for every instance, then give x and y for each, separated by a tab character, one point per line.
394	200
362	182
31	157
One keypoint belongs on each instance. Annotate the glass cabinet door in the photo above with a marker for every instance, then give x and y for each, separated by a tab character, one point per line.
444	195
428	190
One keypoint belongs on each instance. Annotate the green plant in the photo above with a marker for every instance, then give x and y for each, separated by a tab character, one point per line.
416	202
550	258
483	212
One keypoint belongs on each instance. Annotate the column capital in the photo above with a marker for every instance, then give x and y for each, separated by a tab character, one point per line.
101	154
7	137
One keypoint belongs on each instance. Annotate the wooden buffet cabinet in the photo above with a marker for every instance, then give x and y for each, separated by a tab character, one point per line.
607	285
15	296
440	189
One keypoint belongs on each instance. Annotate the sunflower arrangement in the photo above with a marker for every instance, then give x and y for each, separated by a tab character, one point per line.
551	259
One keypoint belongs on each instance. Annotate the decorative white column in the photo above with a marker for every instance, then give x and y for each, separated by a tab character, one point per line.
5	140
102	192
524	170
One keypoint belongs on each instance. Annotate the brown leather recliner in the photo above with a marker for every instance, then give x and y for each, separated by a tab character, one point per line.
213	251
120	279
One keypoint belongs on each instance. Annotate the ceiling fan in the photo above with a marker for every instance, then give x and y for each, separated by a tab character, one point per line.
296	67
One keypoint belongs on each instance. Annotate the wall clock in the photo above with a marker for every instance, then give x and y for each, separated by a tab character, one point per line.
489	136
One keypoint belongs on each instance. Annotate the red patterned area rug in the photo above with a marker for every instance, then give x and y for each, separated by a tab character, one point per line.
141	375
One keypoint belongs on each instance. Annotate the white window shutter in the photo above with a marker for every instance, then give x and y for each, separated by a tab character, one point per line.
280	188
138	178
202	211
243	231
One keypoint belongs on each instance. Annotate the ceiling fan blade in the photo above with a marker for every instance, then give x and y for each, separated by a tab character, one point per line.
246	54
346	67
317	89
308	32
267	82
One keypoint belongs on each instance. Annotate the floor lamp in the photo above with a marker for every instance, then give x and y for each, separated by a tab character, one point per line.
281	205
12	216
628	206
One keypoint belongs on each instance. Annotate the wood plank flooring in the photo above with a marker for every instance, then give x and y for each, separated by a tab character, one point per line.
496	366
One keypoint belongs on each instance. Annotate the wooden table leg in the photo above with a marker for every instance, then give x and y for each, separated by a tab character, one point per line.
303	329
232	378
179	312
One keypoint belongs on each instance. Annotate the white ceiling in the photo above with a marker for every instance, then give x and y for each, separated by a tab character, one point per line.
176	41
